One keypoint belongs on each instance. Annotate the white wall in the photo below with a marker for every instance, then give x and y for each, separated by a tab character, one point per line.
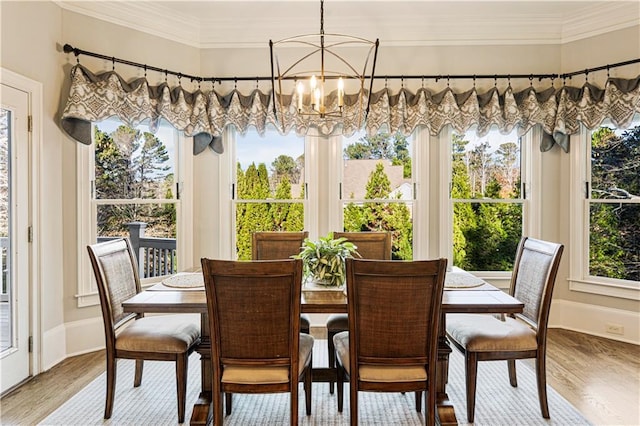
34	32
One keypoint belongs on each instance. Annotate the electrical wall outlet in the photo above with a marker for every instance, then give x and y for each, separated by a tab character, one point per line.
614	329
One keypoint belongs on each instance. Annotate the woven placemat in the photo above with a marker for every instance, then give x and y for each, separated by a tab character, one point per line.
455	279
185	280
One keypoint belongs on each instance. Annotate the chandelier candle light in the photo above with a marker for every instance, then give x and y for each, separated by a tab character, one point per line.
312	101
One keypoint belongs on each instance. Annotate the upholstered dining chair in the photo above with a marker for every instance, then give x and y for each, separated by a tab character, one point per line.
392	344
519	336
274	245
133	336
264	352
370	245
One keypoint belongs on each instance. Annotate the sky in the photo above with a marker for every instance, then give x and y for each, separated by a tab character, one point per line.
251	148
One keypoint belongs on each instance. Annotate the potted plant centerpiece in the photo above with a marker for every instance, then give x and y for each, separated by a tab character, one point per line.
323	260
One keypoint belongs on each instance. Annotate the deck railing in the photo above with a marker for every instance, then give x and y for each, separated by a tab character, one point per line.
156	256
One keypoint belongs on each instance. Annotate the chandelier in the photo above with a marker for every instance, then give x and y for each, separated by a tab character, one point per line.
312	88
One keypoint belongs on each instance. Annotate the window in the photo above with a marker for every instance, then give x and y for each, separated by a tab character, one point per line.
270	189
490	193
134	192
607	209
377	191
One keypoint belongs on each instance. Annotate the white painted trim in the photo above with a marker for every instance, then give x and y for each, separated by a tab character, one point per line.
401	28
579	278
315	147
532	178
86	286
605	289
530	172
84	336
592	319
335	208
35	92
420	179
184	205
87	335
227	179
54	340
445	213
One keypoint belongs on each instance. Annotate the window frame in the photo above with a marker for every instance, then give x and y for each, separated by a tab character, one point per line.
87	291
228	179
531	169
419	173
580	202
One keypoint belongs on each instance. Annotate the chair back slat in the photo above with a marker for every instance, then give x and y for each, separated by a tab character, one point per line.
252	308
394	309
370	245
276	245
534	276
116	274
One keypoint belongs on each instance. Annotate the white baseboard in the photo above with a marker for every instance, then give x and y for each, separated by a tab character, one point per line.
84	336
79	337
596	320
53	347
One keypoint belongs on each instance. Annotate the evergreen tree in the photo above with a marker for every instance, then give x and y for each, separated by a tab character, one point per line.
614	246
131	164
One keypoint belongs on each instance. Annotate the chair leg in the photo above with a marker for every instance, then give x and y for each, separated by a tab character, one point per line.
541	376
340	385
418	401
137	379
307	389
111	385
430	405
182	368
471	373
294	403
332	356
216	394
513	378
353	400
228	401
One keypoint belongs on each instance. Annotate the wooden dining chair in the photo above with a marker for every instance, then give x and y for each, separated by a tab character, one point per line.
519	336
133	336
264	352
274	245
392	343
370	245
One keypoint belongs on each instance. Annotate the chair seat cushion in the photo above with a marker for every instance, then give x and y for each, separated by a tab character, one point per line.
485	333
375	373
265	375
164	334
338	322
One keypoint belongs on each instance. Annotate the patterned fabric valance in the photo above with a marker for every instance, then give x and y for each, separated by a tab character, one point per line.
204	115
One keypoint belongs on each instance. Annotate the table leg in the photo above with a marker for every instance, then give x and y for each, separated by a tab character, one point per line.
446	412
202	414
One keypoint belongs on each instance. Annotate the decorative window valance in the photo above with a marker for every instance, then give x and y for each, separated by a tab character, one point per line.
204	115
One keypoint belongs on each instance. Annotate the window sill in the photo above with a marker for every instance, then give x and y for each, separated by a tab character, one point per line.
89	299
621	291
92	299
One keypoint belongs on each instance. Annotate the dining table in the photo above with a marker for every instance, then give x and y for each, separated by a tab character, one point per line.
463	293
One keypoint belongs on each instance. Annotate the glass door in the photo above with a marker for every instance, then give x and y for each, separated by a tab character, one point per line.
14	238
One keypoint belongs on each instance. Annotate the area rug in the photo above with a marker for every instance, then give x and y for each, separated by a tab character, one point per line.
154	403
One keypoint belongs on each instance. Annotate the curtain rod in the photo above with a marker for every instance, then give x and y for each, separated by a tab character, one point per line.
67	48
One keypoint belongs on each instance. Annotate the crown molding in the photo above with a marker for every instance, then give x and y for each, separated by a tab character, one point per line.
426	23
148	17
600	19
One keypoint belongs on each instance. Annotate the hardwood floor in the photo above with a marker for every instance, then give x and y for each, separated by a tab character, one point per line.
600	377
